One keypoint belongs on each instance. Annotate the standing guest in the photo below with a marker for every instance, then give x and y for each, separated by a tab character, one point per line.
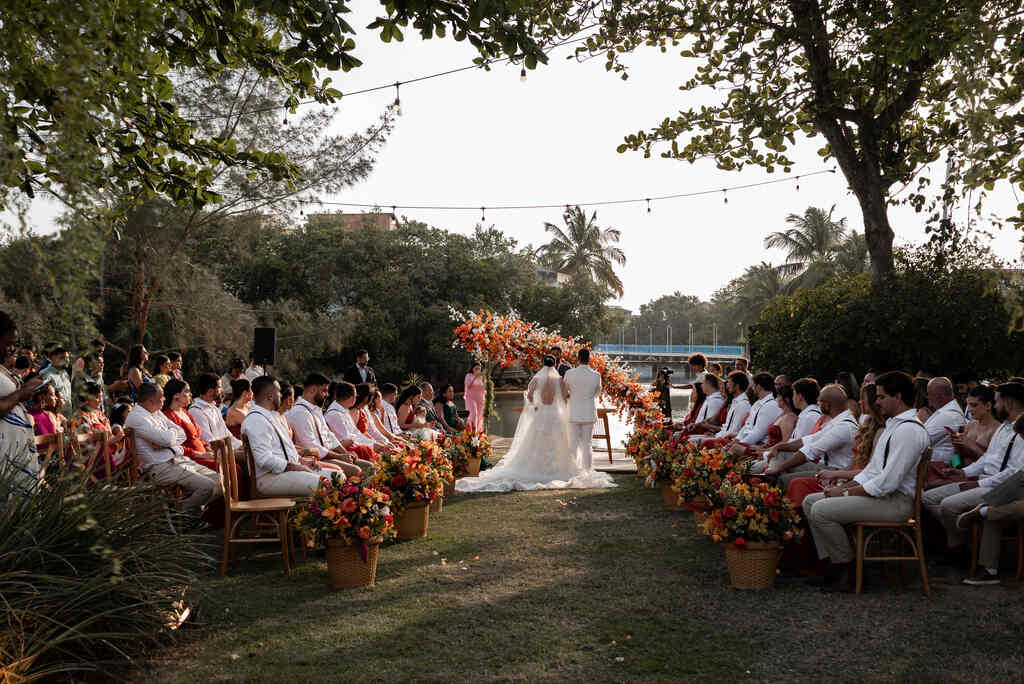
205	412
449	412
884	490
475	395
254	370
698	364
177	399
43	410
176	363
560	365
91	420
971	444
57	373
924	411
236	371
339	420
361	371
1003	458
306	420
158	445
663	387
137	375
743	366
279	470
29	354
849	384
161	369
17	440
241	390
22	367
946	420
716	368
869	377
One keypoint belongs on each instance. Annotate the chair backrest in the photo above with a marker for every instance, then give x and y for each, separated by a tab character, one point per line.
250	466
922	473
99	440
225	459
48	446
133	468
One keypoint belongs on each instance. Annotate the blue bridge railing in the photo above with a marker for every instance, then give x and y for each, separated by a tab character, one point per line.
681	349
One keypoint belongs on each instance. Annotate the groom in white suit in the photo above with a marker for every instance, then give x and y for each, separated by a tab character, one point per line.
583	384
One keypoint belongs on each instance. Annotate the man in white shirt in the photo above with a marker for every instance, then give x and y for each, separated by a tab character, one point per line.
205	410
736	387
763	414
340	422
237	371
947	419
306	420
1003	458
707	419
805	399
279	471
254	370
884	490
389	393
829	448
158	447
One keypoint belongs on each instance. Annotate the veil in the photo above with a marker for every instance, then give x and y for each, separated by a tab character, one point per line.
546	384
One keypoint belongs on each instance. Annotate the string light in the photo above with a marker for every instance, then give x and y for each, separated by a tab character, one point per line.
798	183
483	215
725	197
522	75
648	205
397	106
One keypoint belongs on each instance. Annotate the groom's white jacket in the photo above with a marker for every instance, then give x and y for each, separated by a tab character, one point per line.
584	385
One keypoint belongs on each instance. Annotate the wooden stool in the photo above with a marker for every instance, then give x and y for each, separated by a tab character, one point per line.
602	415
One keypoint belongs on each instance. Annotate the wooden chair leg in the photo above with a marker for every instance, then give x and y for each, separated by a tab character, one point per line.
920	559
608	438
227	545
975	544
860	558
282	532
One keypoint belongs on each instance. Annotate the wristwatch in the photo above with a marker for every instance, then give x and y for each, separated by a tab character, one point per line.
846	492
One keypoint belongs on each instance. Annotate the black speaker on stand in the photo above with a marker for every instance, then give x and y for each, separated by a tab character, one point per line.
264	346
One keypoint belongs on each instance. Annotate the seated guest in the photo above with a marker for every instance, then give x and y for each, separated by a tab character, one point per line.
709	419
161	369
805	400
779	431
310	457
370	418
716	368
743	366
924	411
946	420
137	376
254	370
89	421
830	447
869	377
849	384
57	373
306	420
43	410
763	412
970	445
241	390
1003	458
341	423
427	402
279	470
205	411
237	368
177	399
736	387
884	490
1001	507
176	363
781	381
697	398
405	408
446	410
158	445
389	393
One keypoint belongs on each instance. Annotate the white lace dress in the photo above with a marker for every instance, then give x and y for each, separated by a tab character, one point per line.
540	456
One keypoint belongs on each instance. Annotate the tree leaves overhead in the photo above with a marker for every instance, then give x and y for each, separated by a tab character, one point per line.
87	90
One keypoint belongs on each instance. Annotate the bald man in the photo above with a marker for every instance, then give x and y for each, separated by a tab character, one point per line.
829	448
948	418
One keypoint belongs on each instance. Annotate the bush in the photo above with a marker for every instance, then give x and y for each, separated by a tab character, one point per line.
88	577
942	319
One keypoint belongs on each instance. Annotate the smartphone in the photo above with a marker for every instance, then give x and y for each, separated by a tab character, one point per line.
48	380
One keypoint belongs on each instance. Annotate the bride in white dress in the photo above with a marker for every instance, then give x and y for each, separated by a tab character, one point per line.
540	456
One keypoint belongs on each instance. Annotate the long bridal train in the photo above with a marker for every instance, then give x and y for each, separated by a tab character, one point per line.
540	456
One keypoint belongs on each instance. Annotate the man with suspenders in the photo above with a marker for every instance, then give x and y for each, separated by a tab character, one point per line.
307	421
884	490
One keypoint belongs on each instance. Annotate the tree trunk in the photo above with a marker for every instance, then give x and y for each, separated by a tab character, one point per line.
878	233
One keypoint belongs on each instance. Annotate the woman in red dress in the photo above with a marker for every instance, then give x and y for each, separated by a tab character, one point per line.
177	399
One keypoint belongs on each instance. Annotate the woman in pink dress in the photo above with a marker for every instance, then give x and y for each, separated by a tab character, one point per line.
475	395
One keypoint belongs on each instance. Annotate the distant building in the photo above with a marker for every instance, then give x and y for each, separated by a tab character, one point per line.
553	277
353	222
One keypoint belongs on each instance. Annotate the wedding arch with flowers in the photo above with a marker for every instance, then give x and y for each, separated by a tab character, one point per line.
502	340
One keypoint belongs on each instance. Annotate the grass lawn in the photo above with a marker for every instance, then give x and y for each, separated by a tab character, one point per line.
595	586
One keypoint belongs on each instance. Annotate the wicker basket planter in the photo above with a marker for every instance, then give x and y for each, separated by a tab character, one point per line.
345	566
437	505
412	522
671	498
473	467
753	566
699	516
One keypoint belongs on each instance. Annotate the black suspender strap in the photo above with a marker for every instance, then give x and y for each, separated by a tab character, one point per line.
1006	456
885	455
278	433
316	425
852	422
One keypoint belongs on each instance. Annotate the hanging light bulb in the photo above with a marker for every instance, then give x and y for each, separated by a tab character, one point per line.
798	183
648	205
396	106
522	75
483	215
725	196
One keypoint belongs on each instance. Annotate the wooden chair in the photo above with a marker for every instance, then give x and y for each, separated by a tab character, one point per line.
132	473
274	511
902	528
88	466
602	414
976	546
48	447
131	469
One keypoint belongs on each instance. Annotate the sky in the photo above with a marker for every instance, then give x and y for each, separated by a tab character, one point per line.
484	138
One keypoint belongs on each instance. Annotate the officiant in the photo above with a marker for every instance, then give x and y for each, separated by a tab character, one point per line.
560	365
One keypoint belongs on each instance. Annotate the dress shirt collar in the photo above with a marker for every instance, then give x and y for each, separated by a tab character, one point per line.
716	394
273	415
952	406
909	414
202	405
308	405
335	406
842	416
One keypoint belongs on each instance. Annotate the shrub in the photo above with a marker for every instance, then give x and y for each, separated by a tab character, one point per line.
88	577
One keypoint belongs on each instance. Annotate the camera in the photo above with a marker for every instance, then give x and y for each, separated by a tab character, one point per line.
666	372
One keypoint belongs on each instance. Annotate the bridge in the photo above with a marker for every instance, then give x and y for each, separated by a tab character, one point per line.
659	355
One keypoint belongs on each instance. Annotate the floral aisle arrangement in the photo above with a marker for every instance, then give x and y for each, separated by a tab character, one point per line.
501	340
752	519
410	478
352	517
466	451
700	473
641	444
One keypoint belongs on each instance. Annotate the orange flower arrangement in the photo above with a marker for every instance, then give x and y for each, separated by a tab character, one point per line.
752	511
352	510
466	445
410	475
699	474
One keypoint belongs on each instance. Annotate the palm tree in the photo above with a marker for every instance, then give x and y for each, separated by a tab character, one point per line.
811	245
852	256
758	286
585	249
